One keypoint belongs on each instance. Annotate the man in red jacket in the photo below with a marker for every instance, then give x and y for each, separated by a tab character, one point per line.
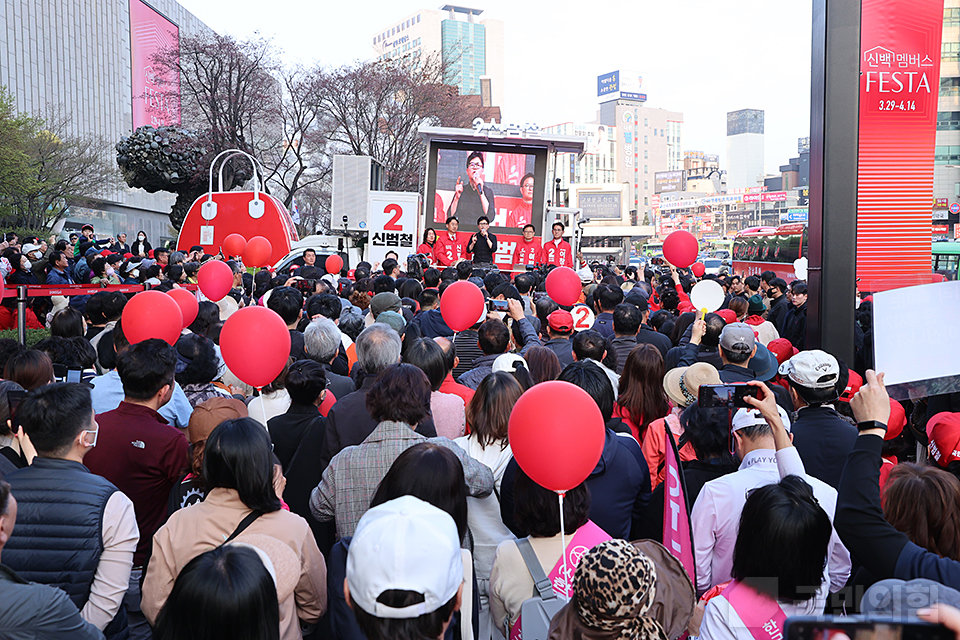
448	248
558	252
528	250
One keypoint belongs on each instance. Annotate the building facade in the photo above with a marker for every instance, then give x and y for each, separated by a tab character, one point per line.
744	148
946	170
472	49
79	58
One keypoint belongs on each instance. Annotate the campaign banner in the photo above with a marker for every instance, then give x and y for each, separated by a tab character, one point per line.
150	34
677	533
392	218
899	85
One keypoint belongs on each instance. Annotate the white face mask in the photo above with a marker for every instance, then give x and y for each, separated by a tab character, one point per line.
141	238
135	273
83	440
27	265
110	271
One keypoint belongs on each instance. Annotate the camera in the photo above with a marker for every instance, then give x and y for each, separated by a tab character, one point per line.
731	396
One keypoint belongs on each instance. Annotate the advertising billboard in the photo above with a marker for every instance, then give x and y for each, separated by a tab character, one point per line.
150	34
667	181
600	205
608	83
899	75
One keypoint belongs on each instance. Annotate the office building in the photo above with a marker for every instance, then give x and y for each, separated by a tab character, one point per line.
745	149
92	61
472	49
946	170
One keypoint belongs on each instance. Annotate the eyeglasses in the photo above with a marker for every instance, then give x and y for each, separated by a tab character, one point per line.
475	165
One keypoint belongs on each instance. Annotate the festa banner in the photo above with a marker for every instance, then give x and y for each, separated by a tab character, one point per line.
151	33
677	533
900	52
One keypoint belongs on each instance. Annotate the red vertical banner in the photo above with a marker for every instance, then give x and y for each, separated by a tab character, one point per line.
151	33
899	88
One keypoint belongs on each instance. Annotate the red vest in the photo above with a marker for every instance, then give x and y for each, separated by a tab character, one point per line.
447	251
528	252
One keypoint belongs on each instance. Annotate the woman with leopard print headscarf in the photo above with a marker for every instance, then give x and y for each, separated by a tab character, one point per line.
626	591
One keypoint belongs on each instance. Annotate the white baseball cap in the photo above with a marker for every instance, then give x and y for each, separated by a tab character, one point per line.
813	369
508	362
409	545
744	418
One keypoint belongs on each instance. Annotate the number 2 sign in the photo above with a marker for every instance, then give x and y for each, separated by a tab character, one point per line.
392	225
583	317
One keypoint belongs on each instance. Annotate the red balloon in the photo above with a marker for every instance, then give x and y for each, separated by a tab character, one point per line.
152	314
255	344
698	269
461	305
556	433
215	279
234	245
563	286
333	264
258	251
187	301
681	248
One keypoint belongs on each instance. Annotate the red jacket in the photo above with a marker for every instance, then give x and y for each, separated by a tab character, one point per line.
558	252
528	252
447	251
425	249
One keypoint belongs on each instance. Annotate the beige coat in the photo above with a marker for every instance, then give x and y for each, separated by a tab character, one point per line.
203	526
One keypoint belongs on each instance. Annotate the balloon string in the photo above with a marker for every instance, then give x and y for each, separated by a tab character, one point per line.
263	409
563	543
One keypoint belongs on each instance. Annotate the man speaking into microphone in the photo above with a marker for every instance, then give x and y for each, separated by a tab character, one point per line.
483	244
477	199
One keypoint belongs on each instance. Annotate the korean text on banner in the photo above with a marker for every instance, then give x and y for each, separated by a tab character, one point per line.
899	80
392	224
152	34
677	534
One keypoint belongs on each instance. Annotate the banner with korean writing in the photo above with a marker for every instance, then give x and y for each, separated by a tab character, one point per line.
153	89
899	80
392	224
677	533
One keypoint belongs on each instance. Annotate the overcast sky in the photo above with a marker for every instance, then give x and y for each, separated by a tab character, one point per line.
697	57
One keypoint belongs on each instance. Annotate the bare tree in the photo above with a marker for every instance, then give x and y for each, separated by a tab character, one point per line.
227	87
376	108
61	169
300	160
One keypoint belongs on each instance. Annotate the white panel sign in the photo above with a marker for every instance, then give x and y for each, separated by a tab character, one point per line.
391	225
910	346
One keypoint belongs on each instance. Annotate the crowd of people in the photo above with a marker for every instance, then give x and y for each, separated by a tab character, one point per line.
371	492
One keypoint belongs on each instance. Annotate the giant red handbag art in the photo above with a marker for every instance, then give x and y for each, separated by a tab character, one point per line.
217	214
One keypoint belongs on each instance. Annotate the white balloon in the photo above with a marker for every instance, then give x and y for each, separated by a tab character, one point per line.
800	268
707	294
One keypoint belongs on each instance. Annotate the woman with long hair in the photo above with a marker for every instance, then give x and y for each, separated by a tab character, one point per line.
141	247
238	468
429	239
542	363
227	592
640	397
778	559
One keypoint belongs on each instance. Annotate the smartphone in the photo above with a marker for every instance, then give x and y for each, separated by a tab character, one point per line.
498	305
13	400
726	395
73	374
869	627
59	372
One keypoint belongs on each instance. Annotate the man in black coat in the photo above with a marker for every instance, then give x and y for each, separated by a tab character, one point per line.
795	322
822	438
779	305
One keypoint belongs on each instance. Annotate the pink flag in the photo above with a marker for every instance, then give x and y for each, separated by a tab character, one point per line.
677	535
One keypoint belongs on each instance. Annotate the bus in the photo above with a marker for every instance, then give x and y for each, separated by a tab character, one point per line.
760	249
945	258
652	248
775	249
